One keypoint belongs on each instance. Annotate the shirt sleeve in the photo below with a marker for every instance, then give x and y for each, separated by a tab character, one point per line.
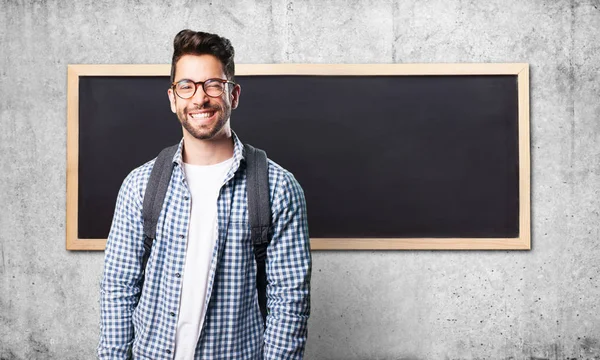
119	288
288	266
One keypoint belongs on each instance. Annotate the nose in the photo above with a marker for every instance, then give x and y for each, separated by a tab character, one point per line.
200	98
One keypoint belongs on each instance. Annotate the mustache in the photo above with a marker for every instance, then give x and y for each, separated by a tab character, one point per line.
203	107
212	107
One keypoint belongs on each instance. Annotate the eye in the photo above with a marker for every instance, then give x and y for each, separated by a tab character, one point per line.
185	85
213	84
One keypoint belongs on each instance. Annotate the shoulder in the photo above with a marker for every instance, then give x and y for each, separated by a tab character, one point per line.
284	187
135	182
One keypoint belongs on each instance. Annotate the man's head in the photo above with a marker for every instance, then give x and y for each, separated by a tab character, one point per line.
199	57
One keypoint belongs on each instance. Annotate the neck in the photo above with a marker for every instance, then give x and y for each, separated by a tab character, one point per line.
207	152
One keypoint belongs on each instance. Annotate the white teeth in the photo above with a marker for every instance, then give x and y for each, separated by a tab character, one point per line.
201	115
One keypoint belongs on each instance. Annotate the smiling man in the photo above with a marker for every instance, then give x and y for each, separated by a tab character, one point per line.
199	296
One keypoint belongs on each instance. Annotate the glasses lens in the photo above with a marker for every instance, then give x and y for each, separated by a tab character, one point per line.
185	89
214	87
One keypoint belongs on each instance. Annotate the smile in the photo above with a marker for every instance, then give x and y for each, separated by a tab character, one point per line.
203	115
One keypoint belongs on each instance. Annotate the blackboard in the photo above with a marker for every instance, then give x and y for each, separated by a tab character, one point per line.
396	159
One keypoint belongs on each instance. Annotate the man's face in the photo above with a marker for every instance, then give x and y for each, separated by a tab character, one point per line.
202	116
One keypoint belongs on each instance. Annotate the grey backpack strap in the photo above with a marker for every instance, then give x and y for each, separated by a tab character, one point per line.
154	197
259	217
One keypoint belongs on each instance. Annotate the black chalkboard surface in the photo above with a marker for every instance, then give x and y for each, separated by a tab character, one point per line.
380	157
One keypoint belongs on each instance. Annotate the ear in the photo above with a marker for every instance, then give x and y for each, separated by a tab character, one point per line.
235	96
172	100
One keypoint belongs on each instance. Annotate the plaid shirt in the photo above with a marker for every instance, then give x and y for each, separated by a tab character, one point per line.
233	327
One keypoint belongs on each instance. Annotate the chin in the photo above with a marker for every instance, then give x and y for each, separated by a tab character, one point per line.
208	134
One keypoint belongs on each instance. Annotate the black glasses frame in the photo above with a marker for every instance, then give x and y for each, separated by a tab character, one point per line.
203	83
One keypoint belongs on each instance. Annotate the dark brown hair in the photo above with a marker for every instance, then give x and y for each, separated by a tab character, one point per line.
188	42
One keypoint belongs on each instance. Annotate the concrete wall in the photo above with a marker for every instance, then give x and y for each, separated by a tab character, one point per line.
538	304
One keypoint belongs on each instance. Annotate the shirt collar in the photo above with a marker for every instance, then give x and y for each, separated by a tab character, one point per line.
239	154
178	158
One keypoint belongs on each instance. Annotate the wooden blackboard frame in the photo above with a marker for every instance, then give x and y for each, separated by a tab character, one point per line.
521	70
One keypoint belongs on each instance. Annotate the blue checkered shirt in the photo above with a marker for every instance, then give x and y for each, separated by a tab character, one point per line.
233	326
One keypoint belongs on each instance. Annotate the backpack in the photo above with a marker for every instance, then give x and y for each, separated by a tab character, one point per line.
259	210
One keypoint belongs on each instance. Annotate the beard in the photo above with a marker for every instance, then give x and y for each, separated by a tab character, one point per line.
208	131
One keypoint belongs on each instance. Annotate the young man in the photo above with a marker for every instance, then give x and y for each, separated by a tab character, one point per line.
199	298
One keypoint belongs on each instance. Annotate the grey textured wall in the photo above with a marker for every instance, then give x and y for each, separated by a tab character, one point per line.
539	304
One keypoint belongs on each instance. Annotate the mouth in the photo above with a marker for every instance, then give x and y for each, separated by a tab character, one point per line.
202	115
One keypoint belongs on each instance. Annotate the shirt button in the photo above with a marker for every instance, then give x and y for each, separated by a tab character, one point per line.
187	197
172	314
182	236
168	351
178	275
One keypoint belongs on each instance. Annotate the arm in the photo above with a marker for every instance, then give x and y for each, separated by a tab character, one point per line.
288	266
119	289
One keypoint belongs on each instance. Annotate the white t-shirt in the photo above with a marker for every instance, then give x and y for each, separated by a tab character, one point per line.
204	182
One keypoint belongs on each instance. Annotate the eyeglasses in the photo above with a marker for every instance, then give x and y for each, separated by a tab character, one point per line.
186	88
